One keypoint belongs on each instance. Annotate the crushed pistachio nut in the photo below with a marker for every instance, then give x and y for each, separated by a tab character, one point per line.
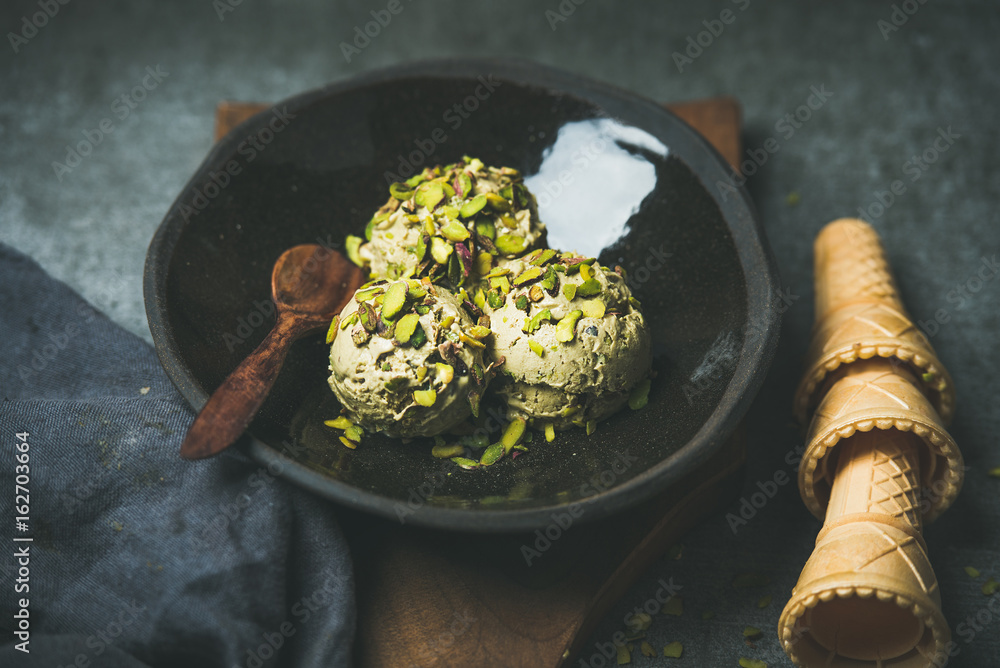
639	396
492	454
513	434
444	451
536	348
972	572
763	601
569	291
752	633
673	650
467	464
550	432
339	423
331	333
566	328
425	397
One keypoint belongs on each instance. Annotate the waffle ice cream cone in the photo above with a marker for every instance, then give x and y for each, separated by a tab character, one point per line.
876	394
859	315
868	597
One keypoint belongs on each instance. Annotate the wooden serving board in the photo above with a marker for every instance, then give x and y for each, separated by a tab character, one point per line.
433	598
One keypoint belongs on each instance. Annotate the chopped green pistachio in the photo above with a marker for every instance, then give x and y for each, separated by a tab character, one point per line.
624	655
419	337
929	377
440	250
498	271
497	203
972	572
480	299
447	321
536	321
416	180
395	298
589	287
348	442
486	228
369	320
535	294
550	432
444	373
406	326
483	263
449	211
443	451
674	606
429	194
351	245
365	295
495	299
473	164
990	587
566	328
421	374
352	319
673	650
473	206
647	649
591	427
511	244
360	336
536	348
479	332
429	228
543	258
550	279
521	303
593	308
464	463
463	184
454	231
339	423
586	273
331	333
513	434
639	396
752	633
469	341
751	663
500	282
425	397
492	454
528	275
415	289
569	291
355	433
763	601
401	191
635	303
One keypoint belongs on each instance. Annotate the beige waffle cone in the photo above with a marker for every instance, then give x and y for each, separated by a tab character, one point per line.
875	394
868	597
859	316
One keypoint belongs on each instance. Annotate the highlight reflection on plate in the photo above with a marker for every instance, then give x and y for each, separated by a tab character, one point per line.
592	180
616	176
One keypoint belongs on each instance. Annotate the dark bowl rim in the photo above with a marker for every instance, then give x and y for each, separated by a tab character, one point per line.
749	239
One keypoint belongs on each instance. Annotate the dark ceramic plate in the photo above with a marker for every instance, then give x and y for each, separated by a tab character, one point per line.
616	176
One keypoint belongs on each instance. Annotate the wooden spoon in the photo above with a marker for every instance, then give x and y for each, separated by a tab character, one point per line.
310	284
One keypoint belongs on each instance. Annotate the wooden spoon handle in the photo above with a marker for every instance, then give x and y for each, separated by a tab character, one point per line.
233	405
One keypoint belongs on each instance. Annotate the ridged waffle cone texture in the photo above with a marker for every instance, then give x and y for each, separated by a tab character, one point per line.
859	315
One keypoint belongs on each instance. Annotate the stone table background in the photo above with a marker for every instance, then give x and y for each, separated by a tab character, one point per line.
896	84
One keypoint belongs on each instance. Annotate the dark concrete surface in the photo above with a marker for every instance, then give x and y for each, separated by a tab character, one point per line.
893	91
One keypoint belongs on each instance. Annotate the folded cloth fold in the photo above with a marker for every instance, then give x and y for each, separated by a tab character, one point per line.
139	558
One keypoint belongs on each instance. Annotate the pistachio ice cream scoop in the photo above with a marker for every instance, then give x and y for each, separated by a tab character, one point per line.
574	340
407	359
441	222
